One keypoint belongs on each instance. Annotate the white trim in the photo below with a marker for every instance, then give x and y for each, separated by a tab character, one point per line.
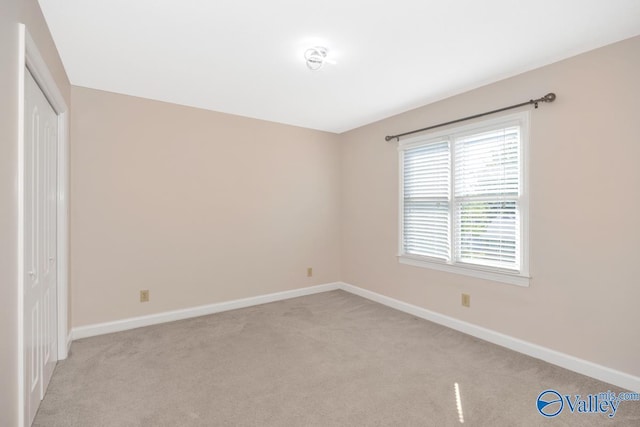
20	245
525	196
472	271
203	310
63	234
34	61
572	363
41	74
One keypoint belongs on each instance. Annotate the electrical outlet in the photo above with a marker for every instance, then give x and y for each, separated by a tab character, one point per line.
309	272
144	296
466	300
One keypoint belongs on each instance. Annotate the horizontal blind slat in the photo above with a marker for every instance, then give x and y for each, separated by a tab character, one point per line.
487	167
486	179
426	179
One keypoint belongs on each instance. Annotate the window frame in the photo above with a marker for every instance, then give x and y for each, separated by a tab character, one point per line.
521	277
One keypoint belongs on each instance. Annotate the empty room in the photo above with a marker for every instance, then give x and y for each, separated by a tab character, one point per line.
351	213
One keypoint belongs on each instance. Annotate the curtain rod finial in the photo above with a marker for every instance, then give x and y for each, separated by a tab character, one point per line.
550	97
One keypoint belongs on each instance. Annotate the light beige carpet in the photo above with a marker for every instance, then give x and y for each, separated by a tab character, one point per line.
331	359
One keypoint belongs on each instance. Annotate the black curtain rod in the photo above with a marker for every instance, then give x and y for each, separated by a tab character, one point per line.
550	97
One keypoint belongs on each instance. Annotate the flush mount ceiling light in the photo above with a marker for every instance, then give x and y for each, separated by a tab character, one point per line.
316	57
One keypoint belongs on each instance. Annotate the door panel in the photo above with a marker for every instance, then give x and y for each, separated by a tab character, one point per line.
40	199
49	246
32	253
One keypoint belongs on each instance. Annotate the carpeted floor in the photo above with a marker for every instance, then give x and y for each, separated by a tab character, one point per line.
330	359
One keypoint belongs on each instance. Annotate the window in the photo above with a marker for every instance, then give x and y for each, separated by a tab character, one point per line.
463	204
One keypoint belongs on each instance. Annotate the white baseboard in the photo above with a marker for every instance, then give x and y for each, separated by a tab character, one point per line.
572	363
187	313
581	366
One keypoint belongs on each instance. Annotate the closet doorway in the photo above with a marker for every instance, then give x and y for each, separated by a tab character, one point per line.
43	228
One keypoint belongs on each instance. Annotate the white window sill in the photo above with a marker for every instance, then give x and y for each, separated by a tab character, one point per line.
494	275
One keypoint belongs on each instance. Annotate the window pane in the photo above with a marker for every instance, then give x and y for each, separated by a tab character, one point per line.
487	233
488	163
426	228
426	200
487	185
426	171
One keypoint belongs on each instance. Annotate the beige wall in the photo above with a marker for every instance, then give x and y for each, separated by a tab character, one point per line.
162	195
151	207
196	206
8	213
585	204
13	12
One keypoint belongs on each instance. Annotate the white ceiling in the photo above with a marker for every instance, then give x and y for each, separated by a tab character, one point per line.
245	57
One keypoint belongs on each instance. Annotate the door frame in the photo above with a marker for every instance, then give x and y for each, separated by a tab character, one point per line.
30	57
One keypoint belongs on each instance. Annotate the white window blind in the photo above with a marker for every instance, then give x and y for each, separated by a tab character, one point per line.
427	174
487	184
462	198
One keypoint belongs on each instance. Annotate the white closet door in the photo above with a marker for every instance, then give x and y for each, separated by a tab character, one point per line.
49	235
40	194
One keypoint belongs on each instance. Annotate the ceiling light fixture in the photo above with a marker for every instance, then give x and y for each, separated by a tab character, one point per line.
316	57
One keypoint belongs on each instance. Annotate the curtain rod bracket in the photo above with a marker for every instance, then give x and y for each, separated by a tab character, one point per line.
550	97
